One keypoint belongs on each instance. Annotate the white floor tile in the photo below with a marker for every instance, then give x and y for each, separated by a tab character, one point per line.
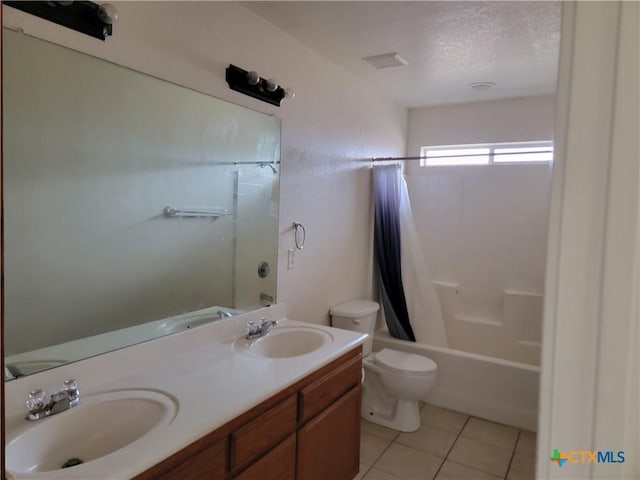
443	418
408	463
375	474
523	467
429	439
482	451
378	430
371	448
454	471
481	456
526	443
489	432
362	472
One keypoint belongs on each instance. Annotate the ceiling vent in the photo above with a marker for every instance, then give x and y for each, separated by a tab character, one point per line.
387	60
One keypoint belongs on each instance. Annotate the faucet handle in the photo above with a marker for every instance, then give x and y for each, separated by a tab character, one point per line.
36	400
72	390
252	328
71	386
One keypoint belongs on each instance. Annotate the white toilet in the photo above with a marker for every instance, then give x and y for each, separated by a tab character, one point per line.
395	382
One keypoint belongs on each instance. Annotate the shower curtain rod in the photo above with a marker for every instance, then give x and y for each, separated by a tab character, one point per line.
391	159
277	162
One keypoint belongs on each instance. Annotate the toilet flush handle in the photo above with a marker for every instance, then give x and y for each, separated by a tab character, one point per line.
356	321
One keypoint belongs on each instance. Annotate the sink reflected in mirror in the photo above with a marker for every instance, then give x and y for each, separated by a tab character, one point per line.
286	342
188	321
100	425
27	367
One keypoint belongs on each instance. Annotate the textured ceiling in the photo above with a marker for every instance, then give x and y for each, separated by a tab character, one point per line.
448	44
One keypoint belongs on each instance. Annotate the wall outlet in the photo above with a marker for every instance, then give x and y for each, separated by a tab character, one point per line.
292	259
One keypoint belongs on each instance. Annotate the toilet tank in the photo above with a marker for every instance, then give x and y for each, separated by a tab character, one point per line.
359	316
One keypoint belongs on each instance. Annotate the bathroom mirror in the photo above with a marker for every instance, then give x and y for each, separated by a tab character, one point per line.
133	207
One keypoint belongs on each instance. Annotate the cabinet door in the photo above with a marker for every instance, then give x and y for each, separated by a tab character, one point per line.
278	464
329	445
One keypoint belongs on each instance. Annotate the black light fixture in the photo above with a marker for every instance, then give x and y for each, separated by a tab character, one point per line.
82	16
250	83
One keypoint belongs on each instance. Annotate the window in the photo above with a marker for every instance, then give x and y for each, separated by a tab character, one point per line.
499	153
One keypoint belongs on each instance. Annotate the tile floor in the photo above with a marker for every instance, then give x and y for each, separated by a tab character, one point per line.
448	446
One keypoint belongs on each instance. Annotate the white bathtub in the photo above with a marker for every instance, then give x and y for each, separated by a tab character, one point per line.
500	390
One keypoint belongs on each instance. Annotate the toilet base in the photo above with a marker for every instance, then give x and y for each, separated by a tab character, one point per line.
404	416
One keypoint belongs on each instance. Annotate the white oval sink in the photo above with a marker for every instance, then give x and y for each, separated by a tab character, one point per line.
100	425
28	367
189	320
173	326
286	342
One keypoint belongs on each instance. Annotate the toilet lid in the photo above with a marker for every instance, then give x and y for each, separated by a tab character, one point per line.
405	362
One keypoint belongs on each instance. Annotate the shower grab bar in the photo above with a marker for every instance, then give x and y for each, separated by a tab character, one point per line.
171	212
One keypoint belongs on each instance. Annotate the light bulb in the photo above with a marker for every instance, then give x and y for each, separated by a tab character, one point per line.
253	78
107	13
272	86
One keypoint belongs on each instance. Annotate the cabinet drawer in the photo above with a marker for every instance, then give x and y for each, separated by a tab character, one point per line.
278	464
262	433
323	392
208	463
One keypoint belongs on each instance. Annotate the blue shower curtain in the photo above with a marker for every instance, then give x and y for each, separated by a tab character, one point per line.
387	247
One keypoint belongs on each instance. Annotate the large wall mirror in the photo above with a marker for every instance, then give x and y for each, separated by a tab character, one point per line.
133	207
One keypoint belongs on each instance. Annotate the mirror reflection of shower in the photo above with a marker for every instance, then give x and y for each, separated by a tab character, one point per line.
269	165
153	226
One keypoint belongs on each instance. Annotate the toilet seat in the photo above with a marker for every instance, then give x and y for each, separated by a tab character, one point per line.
404	363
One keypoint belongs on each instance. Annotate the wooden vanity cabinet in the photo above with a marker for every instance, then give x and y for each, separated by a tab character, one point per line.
309	431
329	445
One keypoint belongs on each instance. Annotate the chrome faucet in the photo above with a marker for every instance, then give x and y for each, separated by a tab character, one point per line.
257	331
224	314
39	407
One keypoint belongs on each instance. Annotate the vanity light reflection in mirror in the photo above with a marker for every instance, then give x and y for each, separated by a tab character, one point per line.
93	153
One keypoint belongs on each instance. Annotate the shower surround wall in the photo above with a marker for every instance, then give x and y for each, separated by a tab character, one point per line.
483	228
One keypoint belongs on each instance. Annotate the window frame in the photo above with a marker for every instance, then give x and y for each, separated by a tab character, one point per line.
542	145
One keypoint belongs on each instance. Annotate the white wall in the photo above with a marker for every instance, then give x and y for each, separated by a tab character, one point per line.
332	126
483	228
515	119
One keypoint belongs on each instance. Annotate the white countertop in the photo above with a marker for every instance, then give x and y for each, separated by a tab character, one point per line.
210	382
